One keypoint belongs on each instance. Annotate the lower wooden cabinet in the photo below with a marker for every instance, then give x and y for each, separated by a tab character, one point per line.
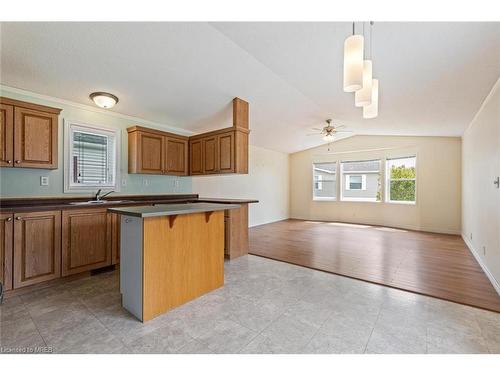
236	232
115	238
6	238
86	240
37	247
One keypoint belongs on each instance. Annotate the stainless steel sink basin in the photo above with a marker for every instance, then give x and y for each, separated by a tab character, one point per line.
96	202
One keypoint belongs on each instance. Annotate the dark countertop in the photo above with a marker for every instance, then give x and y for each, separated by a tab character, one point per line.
172	209
11	205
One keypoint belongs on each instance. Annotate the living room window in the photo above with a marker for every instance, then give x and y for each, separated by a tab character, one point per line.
401	180
361	181
325	181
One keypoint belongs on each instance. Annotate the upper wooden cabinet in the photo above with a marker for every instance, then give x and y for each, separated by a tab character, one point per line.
86	240
28	135
155	152
37	247
217	152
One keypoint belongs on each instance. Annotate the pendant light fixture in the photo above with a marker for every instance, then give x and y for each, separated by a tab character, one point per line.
353	62
371	111
363	96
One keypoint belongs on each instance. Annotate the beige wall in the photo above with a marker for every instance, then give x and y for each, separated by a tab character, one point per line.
267	181
438	206
481	198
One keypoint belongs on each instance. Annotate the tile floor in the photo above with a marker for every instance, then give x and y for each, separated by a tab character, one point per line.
265	307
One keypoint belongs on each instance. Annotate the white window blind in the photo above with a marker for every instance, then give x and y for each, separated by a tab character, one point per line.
92	157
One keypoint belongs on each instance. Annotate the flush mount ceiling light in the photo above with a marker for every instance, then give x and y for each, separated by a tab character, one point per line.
353	62
104	99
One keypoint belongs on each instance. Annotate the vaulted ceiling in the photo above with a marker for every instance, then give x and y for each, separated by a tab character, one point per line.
433	76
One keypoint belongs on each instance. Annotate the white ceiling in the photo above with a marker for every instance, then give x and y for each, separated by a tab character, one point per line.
433	76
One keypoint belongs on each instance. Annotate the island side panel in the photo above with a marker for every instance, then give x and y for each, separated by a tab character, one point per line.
183	259
131	265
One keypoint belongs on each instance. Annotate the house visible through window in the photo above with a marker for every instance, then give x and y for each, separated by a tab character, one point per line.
92	157
401	180
361	181
324	181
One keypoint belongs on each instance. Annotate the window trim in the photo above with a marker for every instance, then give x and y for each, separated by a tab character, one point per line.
364	174
387	181
330	199
70	126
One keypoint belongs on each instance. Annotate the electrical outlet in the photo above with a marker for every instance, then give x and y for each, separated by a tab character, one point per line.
44	180
145	182
124	181
176	183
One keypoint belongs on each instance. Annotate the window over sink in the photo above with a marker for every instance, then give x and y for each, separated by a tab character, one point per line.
92	157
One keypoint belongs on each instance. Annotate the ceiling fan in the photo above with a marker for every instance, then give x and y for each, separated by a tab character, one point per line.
328	132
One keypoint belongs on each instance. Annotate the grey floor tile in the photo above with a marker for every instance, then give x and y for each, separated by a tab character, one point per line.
194	347
19	336
267	345
290	331
227	337
254	315
311	313
13	309
387	339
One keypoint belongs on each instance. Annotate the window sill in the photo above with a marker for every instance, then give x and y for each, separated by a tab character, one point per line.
360	200
402	202
324	199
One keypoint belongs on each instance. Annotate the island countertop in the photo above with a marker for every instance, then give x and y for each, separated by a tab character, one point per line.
171	209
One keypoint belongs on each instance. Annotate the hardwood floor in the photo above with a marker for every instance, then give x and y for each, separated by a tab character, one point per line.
436	265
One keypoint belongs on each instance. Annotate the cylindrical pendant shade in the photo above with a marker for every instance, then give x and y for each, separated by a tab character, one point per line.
353	63
371	111
363	96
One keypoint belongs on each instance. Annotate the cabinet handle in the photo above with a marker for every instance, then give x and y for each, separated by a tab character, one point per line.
9	219
18	217
9	161
497	182
18	161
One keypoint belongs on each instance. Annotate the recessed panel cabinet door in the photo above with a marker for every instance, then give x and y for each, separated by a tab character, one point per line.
115	237
6	235
210	155
86	240
35	137
37	247
6	135
226	152
151	153
196	157
176	162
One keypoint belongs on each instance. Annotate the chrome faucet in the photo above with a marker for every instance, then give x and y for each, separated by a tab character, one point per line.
98	195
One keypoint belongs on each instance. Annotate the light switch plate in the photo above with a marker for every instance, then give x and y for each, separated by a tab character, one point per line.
44	180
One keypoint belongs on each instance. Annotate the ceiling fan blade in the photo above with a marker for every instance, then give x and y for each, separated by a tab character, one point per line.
339	126
318	129
316	134
344	131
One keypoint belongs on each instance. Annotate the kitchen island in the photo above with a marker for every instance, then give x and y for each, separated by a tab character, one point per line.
170	254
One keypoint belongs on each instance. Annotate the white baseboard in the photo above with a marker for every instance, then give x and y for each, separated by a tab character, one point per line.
490	276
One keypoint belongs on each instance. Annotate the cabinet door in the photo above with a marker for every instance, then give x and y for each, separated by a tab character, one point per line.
196	157
37	247
210	155
115	237
226	152
86	240
6	135
35	139
176	162
150	153
6	237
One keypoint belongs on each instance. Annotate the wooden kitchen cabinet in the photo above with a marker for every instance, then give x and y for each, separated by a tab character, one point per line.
6	135
152	151
176	161
236	232
195	157
210	155
86	240
6	249
37	247
225	152
28	135
115	237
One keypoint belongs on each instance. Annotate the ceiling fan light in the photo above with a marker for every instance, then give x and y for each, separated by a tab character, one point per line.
363	96
329	138
353	63
104	99
371	111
